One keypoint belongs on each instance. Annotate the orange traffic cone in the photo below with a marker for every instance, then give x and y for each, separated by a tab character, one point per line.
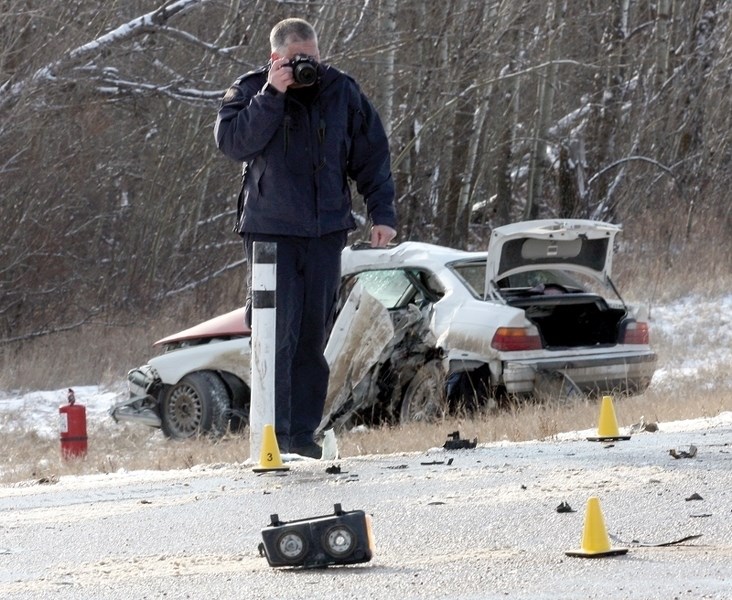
269	454
607	429
595	540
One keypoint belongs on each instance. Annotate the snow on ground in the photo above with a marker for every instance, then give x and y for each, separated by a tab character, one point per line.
698	334
38	411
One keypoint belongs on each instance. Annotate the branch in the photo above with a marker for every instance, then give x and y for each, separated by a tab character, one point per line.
604	170
48	331
143	24
192	39
350	36
194	284
151	21
116	86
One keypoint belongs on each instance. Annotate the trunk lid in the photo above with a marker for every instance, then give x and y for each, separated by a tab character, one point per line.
578	245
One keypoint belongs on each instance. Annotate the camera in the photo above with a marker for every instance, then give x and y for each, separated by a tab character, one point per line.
343	538
304	69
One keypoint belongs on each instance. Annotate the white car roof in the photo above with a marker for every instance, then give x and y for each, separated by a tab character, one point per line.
406	254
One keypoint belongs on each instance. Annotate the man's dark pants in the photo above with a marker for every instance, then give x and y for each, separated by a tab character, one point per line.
308	278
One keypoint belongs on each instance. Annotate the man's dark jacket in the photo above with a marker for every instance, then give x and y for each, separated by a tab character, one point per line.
298	159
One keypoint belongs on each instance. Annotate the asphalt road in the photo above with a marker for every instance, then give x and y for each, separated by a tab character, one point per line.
484	526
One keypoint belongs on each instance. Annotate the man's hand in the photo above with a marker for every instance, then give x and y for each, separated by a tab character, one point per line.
381	235
280	74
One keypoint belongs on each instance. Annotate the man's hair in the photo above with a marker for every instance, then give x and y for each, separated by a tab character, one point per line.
290	30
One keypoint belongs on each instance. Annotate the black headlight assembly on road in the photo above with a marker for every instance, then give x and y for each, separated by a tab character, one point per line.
343	538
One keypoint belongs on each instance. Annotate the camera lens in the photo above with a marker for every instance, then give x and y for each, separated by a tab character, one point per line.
304	72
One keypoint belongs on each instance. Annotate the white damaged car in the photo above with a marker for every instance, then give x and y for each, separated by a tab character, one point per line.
537	314
425	329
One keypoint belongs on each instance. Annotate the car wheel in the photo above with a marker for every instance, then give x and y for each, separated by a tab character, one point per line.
555	386
470	391
198	404
425	398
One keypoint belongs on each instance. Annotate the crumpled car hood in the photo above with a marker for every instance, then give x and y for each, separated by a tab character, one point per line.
230	324
578	245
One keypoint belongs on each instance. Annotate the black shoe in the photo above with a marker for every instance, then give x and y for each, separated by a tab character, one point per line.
311	450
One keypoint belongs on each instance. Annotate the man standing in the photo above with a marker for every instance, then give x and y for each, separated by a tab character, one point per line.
302	129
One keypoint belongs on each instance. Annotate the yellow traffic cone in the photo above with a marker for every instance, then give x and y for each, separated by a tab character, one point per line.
607	429
595	540
269	454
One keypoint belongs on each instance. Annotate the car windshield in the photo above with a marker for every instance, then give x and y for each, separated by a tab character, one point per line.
472	273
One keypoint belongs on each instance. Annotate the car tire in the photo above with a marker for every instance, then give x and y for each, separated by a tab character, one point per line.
556	387
425	398
197	405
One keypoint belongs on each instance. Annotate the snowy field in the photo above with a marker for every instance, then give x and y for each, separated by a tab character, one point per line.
448	524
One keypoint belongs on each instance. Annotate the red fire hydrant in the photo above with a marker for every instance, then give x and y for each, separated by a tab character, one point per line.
73	428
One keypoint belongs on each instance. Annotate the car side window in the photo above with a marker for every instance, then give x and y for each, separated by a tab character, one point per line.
473	274
390	287
397	288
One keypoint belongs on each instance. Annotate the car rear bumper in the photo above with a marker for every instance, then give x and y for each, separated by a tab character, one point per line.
597	373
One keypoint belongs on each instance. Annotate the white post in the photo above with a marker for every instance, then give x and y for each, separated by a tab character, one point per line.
264	285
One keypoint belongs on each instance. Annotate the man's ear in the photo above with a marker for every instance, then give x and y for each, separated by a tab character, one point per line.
274	56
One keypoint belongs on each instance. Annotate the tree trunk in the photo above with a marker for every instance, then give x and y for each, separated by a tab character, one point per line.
538	158
389	15
662	43
691	148
611	95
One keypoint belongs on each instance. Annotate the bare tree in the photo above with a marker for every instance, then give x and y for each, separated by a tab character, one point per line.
662	42
545	94
115	200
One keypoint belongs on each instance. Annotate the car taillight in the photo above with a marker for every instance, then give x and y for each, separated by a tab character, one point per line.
636	333
513	339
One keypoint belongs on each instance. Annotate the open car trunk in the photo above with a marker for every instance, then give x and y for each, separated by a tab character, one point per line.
565	317
572	319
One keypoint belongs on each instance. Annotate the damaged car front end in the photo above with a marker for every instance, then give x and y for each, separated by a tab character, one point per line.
200	383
